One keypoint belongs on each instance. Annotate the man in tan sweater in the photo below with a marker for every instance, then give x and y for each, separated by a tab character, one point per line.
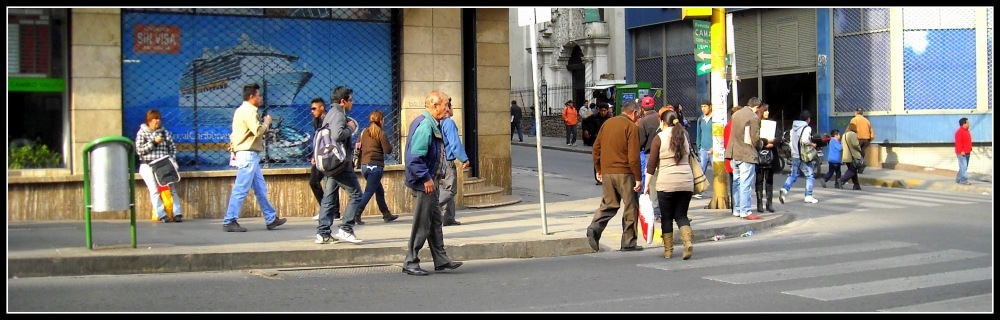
246	144
616	160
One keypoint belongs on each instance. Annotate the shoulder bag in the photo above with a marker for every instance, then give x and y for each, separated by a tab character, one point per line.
357	151
806	151
700	181
859	165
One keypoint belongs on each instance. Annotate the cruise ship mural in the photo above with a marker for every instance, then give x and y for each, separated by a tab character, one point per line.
215	78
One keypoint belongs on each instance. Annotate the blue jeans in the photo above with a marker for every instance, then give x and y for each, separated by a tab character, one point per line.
704	159
373	176
807	170
963	167
743	180
348	181
643	158
248	176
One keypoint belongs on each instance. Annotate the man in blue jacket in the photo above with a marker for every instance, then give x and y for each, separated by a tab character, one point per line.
453	150
834	158
425	157
703	140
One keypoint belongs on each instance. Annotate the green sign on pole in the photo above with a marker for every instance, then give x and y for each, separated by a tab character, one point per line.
704	68
702	41
36	84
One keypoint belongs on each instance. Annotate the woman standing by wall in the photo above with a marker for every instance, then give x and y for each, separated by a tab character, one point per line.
674	182
152	142
374	146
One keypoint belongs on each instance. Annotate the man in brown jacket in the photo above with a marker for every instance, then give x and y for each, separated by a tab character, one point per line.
616	160
865	132
743	146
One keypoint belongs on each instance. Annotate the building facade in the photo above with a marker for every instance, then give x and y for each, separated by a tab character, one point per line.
87	73
913	71
575	49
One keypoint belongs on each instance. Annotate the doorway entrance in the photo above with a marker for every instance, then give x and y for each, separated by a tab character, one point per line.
577	70
787	95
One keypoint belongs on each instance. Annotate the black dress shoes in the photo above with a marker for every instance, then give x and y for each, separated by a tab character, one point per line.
635	248
448	266
415	271
452	223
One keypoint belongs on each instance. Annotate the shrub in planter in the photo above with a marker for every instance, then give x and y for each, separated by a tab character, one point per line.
31	156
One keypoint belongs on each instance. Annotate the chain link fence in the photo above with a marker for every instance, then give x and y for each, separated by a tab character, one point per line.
665	59
989	51
939	58
192	63
861	59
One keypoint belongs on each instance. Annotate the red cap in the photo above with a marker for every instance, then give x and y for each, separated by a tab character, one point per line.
647	101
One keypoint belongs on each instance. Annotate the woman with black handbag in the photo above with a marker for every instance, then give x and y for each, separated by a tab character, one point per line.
852	151
153	142
767	162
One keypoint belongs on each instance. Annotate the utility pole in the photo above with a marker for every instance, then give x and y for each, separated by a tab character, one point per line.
718	92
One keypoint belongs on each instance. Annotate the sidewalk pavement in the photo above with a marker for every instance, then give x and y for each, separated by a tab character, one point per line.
58	248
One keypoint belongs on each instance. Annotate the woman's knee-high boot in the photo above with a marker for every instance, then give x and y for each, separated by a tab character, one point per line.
686	235
668	245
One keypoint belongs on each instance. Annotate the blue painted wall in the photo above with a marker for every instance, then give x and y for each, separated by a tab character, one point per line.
929	128
824	83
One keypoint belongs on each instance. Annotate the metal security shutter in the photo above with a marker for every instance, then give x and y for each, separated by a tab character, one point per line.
788	41
747	44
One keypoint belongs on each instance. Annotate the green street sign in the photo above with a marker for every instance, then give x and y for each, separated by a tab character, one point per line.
704	68
36	84
702	53
702	41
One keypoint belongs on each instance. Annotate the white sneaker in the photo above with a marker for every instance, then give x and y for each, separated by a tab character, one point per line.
316	217
781	194
325	240
697	196
349	237
810	199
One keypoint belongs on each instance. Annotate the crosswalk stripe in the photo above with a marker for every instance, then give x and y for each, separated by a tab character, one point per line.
855	203
923	198
846	267
894	285
893	200
777	256
980	303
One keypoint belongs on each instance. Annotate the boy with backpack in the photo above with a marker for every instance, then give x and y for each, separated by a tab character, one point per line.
332	159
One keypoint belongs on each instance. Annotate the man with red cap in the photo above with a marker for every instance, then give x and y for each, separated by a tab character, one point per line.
648	125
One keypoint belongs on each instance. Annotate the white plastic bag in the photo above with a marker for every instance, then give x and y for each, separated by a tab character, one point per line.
646	220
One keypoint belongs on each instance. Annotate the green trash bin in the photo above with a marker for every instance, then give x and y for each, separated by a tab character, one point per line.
109	179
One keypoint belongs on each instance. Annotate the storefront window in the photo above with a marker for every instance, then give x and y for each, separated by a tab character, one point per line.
37	116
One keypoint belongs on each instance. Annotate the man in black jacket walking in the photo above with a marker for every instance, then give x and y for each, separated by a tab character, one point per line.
515	121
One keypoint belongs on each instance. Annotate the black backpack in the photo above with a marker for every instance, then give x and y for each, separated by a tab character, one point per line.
764	158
